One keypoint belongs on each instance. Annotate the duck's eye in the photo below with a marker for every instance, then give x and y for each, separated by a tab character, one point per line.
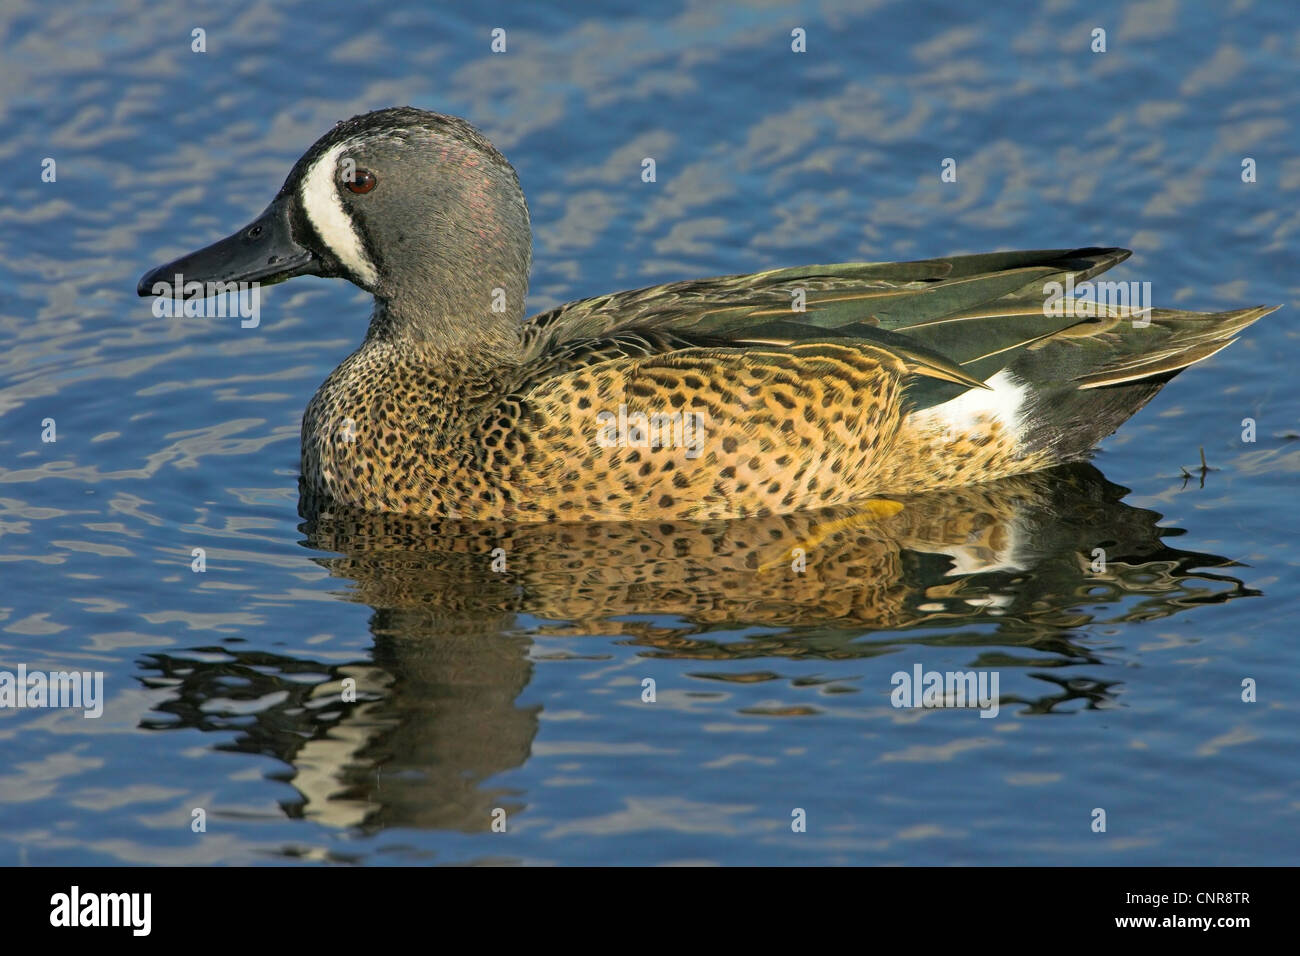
362	181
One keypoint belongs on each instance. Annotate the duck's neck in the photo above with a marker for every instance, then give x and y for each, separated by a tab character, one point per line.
441	338
437	378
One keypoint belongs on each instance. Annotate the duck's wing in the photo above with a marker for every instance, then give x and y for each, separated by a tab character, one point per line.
898	306
821	299
955	322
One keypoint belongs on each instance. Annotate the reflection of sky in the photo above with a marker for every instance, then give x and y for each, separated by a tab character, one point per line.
175	434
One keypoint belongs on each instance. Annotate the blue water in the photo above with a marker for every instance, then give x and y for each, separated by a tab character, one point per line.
517	696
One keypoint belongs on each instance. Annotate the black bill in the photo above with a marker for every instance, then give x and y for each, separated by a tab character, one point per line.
263	251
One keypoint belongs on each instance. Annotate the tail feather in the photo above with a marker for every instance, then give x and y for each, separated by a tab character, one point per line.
1113	372
1188	338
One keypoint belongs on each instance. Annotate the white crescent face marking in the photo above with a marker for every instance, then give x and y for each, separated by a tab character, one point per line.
320	200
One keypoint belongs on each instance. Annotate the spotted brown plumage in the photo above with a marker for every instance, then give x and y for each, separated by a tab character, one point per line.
743	395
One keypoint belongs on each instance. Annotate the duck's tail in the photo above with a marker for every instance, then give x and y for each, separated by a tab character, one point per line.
1086	381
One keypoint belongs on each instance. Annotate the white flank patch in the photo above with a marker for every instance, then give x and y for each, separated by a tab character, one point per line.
320	200
1002	401
976	559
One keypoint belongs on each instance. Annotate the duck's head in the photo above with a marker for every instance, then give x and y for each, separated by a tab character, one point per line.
415	207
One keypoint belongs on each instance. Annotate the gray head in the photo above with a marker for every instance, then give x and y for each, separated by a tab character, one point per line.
415	207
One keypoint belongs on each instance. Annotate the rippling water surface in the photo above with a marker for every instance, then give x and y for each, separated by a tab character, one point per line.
481	691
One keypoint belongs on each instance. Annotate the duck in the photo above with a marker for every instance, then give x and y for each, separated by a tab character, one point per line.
737	396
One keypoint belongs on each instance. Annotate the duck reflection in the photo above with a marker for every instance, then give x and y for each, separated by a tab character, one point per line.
1011	569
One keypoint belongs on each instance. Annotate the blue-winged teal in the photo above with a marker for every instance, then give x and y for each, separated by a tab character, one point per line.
710	398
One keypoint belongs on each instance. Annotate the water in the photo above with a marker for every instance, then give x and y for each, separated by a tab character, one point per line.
480	692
